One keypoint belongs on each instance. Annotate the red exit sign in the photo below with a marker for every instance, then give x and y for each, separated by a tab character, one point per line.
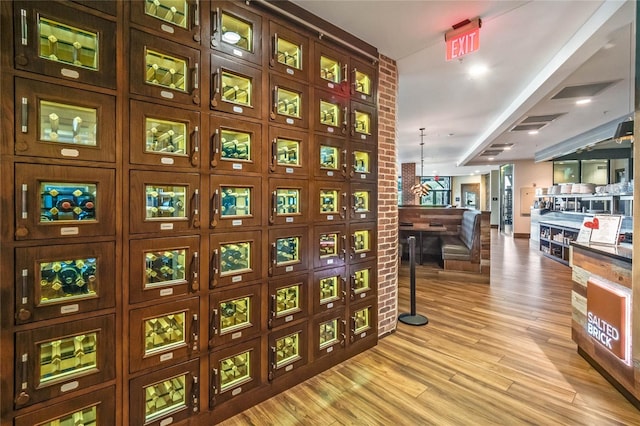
463	39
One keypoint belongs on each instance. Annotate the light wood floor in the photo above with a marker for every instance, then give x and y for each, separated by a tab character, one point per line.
498	354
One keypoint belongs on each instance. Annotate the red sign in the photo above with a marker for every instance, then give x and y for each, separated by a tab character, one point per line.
463	40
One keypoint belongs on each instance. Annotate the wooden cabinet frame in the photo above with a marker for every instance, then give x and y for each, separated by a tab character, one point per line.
218	277
335	303
336	318
189	34
338	231
221	163
300	89
359	255
252	327
277	217
355	271
221	65
278	31
241	14
360	66
218	395
356	133
341	58
219	220
357	334
340	213
359	211
339	146
301	282
357	150
299	332
302	141
301	264
340	109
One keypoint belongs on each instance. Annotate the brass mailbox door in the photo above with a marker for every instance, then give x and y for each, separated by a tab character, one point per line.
236	31
331	69
236	258
329	159
236	202
288	299
165	70
65	123
363	79
163	268
165	202
364	201
172	392
236	88
234	371
289	152
363	162
362	244
164	136
363	283
363	122
329	245
288	250
236	145
53	281
289	53
289	102
234	315
62	41
162	334
329	201
331	114
289	201
63	201
287	350
51	361
329	334
329	288
363	318
178	20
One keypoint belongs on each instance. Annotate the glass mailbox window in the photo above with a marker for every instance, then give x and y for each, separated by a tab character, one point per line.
288	103
361	320
85	417
288	152
361	201
287	300
235	201
173	11
68	357
165	137
165	202
65	123
329	157
361	280
328	333
361	162
328	245
288	201
237	32
287	250
165	397
163	333
234	258
361	241
595	171
236	89
67	44
164	267
67	202
287	350
235	314
65	280
362	83
328	201
362	122
329	290
329	113
330	69
166	71
235	370
289	54
236	146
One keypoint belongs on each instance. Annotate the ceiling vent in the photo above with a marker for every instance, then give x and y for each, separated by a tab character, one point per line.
527	127
490	152
501	145
535	122
583	90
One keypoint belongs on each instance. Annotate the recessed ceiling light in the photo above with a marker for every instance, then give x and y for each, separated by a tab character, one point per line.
231	37
435	172
533	132
477	171
478	70
507	148
583	101
490	158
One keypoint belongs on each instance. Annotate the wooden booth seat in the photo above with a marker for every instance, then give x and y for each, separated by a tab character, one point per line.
462	252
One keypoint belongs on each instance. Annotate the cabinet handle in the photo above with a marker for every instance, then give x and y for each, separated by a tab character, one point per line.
345	114
195	155
274	207
196	76
196	210
274	155
354	83
215	27
216	208
274	53
214	322
343	332
23	27
343	209
24	119
343	250
195	394
214	387
343	288
344	163
195	271
216	88
23	397
23	204
352	172
274	105
353	246
214	269
272	362
353	329
273	310
25	286
353	123
215	147
196	16
345	71
273	259
194	332
353	287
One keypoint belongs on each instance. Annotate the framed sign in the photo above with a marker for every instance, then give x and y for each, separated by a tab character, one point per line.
604	229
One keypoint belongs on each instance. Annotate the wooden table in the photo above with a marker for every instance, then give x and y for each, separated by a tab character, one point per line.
420	229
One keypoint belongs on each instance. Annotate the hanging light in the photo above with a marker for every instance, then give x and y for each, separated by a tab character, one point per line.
421	189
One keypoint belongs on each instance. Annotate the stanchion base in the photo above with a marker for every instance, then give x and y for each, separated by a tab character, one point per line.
409	319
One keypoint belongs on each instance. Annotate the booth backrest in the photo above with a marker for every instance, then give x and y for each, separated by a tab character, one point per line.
470	228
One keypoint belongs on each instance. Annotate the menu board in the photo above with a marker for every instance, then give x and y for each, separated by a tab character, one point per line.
604	229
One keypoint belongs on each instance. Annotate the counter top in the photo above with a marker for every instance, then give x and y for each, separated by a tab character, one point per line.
563	223
622	252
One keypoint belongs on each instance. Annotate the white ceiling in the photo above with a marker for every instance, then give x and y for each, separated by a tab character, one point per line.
532	49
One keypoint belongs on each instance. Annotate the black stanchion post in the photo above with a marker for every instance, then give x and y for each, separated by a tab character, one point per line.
412	318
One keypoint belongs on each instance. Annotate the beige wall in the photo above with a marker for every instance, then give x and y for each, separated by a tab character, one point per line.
457	181
528	174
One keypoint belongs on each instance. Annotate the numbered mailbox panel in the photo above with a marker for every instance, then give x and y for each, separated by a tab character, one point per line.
165	396
329	202
288	250
289	52
364	201
164	136
235	258
363	162
289	152
178	19
236	202
329	245
163	333
161	201
63	201
364	123
54	281
288	298
64	42
67	123
235	88
329	159
52	361
287	350
289	102
331	69
329	334
329	288
364	78
236	146
289	202
363	241
162	268
236	31
234	315
95	408
363	281
234	371
332	114
363	321
164	70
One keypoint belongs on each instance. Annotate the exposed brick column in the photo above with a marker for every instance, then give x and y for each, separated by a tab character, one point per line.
387	196
409	179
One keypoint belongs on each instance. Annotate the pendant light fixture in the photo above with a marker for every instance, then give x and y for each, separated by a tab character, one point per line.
421	189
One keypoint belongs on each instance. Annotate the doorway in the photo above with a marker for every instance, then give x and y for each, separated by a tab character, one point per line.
470	195
506	200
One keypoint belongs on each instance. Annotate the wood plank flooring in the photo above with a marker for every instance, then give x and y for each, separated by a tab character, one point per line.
498	354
